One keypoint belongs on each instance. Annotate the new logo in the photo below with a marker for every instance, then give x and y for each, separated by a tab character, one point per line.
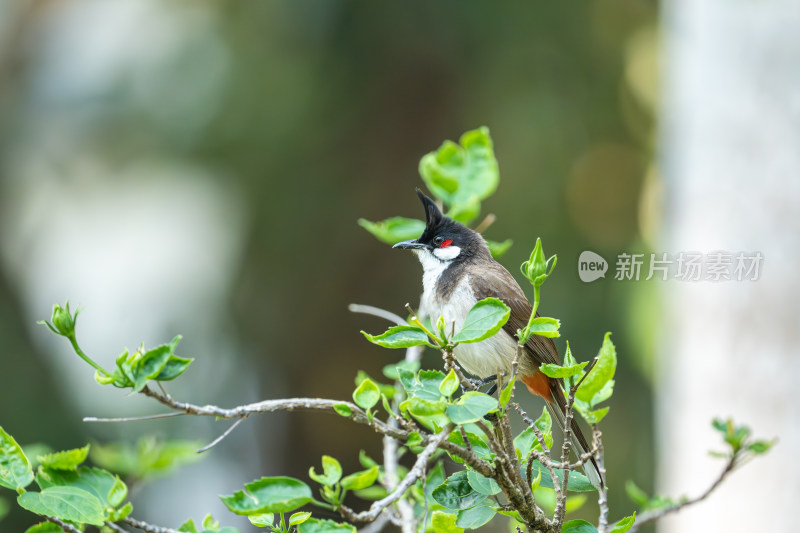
591	266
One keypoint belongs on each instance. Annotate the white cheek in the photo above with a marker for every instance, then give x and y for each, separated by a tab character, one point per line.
447	253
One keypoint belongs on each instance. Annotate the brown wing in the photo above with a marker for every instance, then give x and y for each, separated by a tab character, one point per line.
494	281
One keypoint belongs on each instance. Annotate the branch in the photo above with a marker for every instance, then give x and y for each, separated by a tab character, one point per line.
390	458
147	528
543	458
69	528
416	472
219	439
376	311
133	418
655	514
602	496
485	223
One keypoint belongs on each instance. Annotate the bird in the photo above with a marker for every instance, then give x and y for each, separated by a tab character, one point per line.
458	271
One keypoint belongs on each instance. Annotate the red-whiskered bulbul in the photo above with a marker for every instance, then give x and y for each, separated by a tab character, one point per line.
458	271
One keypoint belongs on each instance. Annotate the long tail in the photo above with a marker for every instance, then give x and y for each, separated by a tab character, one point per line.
558	408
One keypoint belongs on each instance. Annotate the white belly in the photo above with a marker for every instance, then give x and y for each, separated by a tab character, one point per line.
481	359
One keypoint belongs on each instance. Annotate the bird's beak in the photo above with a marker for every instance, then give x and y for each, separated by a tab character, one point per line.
413	244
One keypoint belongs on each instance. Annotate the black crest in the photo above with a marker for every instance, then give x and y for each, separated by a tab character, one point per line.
433	216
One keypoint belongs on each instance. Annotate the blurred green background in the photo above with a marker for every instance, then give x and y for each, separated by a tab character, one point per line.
198	168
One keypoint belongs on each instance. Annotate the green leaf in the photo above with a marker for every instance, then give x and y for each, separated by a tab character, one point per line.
175	367
505	394
428	413
373	493
536	481
456	174
475	517
578	526
527	440
414	439
624	525
298	518
436	477
424	385
479	446
466	212
593	417
209	523
262	520
367	395
16	472
574	503
115	515
114	378
498	249
343	409
188	527
360	480
483	485
393	230
484	320
331	472
449	384
760	446
385	390
576	482
399	337
44	527
471	407
569	360
457	493
34	451
442	522
558	371
314	525
602	372
108	488
151	363
636	495
269	495
365	460
66	460
148	459
66	503
545	327
391	371
604	393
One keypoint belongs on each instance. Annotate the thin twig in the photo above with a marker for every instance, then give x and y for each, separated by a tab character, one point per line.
225	434
115	527
602	496
69	528
390	456
417	471
133	418
147	528
485	223
376	311
561	498
655	514
543	458
376	526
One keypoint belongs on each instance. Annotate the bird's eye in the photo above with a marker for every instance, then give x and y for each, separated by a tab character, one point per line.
440	242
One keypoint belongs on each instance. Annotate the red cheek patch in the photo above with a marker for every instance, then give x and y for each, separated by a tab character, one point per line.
446	243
